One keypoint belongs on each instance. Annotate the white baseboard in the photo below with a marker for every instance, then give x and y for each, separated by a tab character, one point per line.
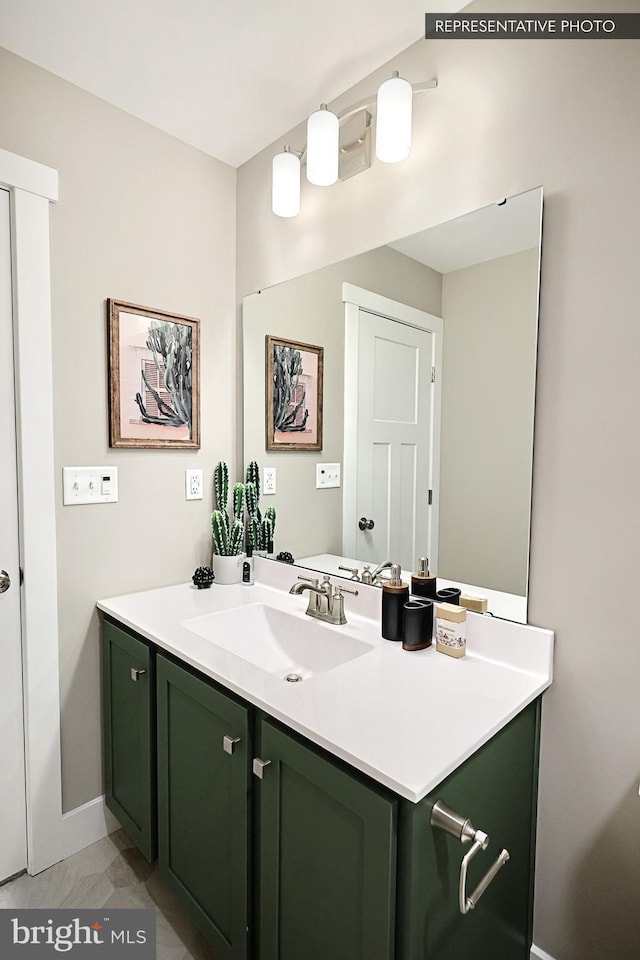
538	954
86	825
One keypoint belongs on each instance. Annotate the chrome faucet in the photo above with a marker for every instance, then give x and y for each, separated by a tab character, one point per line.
373	576
325	602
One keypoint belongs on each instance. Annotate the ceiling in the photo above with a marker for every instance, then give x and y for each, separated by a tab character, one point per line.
227	76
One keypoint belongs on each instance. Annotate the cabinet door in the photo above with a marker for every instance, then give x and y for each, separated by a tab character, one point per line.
327	858
203	804
496	789
129	735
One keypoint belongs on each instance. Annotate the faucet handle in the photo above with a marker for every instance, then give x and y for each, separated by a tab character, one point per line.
313	580
353	571
340	590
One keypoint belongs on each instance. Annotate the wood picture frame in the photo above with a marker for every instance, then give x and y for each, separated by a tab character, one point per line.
154	378
293	378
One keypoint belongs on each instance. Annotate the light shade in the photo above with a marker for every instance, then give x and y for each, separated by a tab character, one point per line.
393	124
323	141
285	184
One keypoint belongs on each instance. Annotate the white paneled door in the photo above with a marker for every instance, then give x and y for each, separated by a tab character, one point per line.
13	844
395	441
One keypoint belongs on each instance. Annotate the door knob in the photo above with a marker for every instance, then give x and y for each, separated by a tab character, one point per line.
365	524
5	581
136	674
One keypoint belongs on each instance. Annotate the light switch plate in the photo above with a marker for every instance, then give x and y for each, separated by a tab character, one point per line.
89	485
193	485
268	481
327	475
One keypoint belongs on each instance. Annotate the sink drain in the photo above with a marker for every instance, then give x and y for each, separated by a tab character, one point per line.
293	678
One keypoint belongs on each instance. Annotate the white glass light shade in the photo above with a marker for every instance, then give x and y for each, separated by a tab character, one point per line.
323	141
393	123
285	185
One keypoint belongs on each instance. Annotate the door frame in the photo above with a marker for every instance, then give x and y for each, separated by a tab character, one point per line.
32	187
356	299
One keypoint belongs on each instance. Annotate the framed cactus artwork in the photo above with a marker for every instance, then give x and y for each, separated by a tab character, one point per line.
154	384
293	373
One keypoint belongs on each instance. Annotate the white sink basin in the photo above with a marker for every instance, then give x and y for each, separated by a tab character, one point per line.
278	642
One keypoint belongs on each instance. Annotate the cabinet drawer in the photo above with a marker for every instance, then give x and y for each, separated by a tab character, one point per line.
129	735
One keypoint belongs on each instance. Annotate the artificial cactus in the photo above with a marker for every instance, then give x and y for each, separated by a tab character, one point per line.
221	485
238	501
251	499
266	533
254	533
270	514
236	538
220	531
253	476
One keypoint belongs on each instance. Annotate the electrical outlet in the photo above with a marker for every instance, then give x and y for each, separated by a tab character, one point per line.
327	475
193	485
269	481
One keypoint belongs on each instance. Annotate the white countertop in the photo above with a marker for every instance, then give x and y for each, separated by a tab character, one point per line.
405	719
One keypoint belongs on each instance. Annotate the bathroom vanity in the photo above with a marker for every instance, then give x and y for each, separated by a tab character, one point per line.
296	819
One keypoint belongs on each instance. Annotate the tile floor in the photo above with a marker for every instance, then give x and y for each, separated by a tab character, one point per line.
112	873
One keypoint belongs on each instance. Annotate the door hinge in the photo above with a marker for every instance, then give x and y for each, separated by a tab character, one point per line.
430	497
21	575
433	374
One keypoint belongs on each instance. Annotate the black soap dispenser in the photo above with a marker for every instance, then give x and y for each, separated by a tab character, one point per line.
423	583
395	594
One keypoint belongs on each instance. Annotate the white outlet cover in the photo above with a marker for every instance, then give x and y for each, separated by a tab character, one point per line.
193	485
327	475
268	481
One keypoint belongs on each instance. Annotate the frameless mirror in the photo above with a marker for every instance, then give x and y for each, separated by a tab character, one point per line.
429	358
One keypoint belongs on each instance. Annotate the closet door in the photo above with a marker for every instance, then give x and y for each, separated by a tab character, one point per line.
13	844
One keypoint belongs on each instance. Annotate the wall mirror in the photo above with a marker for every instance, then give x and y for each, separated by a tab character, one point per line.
429	349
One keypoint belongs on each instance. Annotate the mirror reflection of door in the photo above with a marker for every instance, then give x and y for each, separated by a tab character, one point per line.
392	418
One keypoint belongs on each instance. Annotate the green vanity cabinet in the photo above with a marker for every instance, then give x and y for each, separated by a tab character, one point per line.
203	803
496	788
282	852
128	675
327	857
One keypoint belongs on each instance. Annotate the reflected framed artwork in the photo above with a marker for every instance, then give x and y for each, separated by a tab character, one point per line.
154	382
293	374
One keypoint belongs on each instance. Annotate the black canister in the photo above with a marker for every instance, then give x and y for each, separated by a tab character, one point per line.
449	595
395	594
418	624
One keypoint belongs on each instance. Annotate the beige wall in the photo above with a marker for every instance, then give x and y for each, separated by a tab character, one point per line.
145	218
488	387
310	309
507	117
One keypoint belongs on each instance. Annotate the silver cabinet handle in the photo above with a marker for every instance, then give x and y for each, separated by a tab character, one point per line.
229	743
444	818
365	524
136	674
5	581
258	767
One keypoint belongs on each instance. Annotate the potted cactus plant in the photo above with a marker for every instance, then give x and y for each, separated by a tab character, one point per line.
260	529
228	531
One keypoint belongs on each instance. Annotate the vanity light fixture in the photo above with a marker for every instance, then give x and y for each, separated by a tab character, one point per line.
325	154
323	144
393	124
285	183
